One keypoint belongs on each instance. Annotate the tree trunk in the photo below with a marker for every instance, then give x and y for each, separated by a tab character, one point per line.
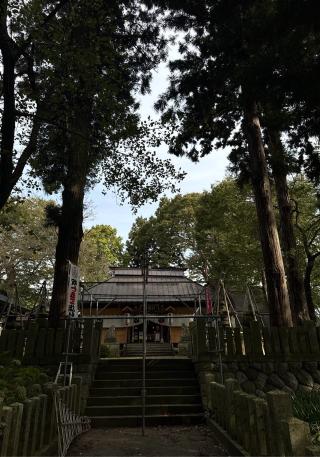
264	285
278	298
8	120
298	302
307	284
70	224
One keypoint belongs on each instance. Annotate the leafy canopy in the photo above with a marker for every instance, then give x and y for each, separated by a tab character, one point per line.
212	234
101	248
27	250
94	59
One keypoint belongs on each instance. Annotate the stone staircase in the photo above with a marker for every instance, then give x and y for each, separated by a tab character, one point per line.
172	393
153	349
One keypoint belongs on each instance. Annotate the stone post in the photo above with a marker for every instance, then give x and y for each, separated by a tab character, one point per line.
297	438
25	441
43	416
35	425
79	394
17	411
280	408
184	345
51	423
7	424
205	379
231	386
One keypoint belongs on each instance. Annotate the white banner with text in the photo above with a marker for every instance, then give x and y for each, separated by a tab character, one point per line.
73	290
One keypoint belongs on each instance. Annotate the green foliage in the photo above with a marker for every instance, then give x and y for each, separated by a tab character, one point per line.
165	237
306	204
306	406
27	249
213	234
88	65
101	248
18	382
20	393
227	236
34	390
233	52
104	351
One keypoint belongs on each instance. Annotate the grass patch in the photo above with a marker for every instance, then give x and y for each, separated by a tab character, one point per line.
306	406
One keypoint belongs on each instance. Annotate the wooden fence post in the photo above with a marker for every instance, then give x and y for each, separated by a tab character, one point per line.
3	340
32	334
256	340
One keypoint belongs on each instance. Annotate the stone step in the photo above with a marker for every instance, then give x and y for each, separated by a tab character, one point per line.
136	391
172	392
135	349
135	410
149	382
123	359
149	374
108	365
149	353
149	345
137	400
150	420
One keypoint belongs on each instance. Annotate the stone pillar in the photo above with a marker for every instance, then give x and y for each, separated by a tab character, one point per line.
185	342
296	436
280	409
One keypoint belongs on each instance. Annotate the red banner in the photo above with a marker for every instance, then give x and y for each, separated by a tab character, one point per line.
208	300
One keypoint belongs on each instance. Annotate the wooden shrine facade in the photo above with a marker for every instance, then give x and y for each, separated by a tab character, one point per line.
168	292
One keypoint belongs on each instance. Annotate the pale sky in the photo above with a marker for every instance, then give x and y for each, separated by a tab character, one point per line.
106	209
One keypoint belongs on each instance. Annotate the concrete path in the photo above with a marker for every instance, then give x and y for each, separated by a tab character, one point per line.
159	441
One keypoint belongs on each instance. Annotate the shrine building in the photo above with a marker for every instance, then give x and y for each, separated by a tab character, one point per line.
170	297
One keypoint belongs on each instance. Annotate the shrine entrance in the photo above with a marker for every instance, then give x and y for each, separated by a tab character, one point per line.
156	333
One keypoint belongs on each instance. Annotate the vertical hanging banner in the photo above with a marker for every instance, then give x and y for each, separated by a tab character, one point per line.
73	290
208	300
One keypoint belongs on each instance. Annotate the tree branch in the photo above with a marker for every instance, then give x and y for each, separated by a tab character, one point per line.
303	233
26	153
23	47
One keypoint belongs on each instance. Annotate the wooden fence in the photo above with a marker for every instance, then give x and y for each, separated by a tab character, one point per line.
40	344
255	342
30	428
261	427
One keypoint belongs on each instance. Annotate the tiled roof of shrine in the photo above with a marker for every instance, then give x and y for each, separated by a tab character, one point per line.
126	284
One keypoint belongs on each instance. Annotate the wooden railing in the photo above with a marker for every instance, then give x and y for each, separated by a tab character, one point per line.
40	344
255	342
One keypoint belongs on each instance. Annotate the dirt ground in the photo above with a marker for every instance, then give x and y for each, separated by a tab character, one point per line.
158	441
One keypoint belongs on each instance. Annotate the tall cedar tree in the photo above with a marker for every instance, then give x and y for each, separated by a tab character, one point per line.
293	42
289	112
100	54
219	85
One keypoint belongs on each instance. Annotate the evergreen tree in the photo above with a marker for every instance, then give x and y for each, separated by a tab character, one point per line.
217	85
100	55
